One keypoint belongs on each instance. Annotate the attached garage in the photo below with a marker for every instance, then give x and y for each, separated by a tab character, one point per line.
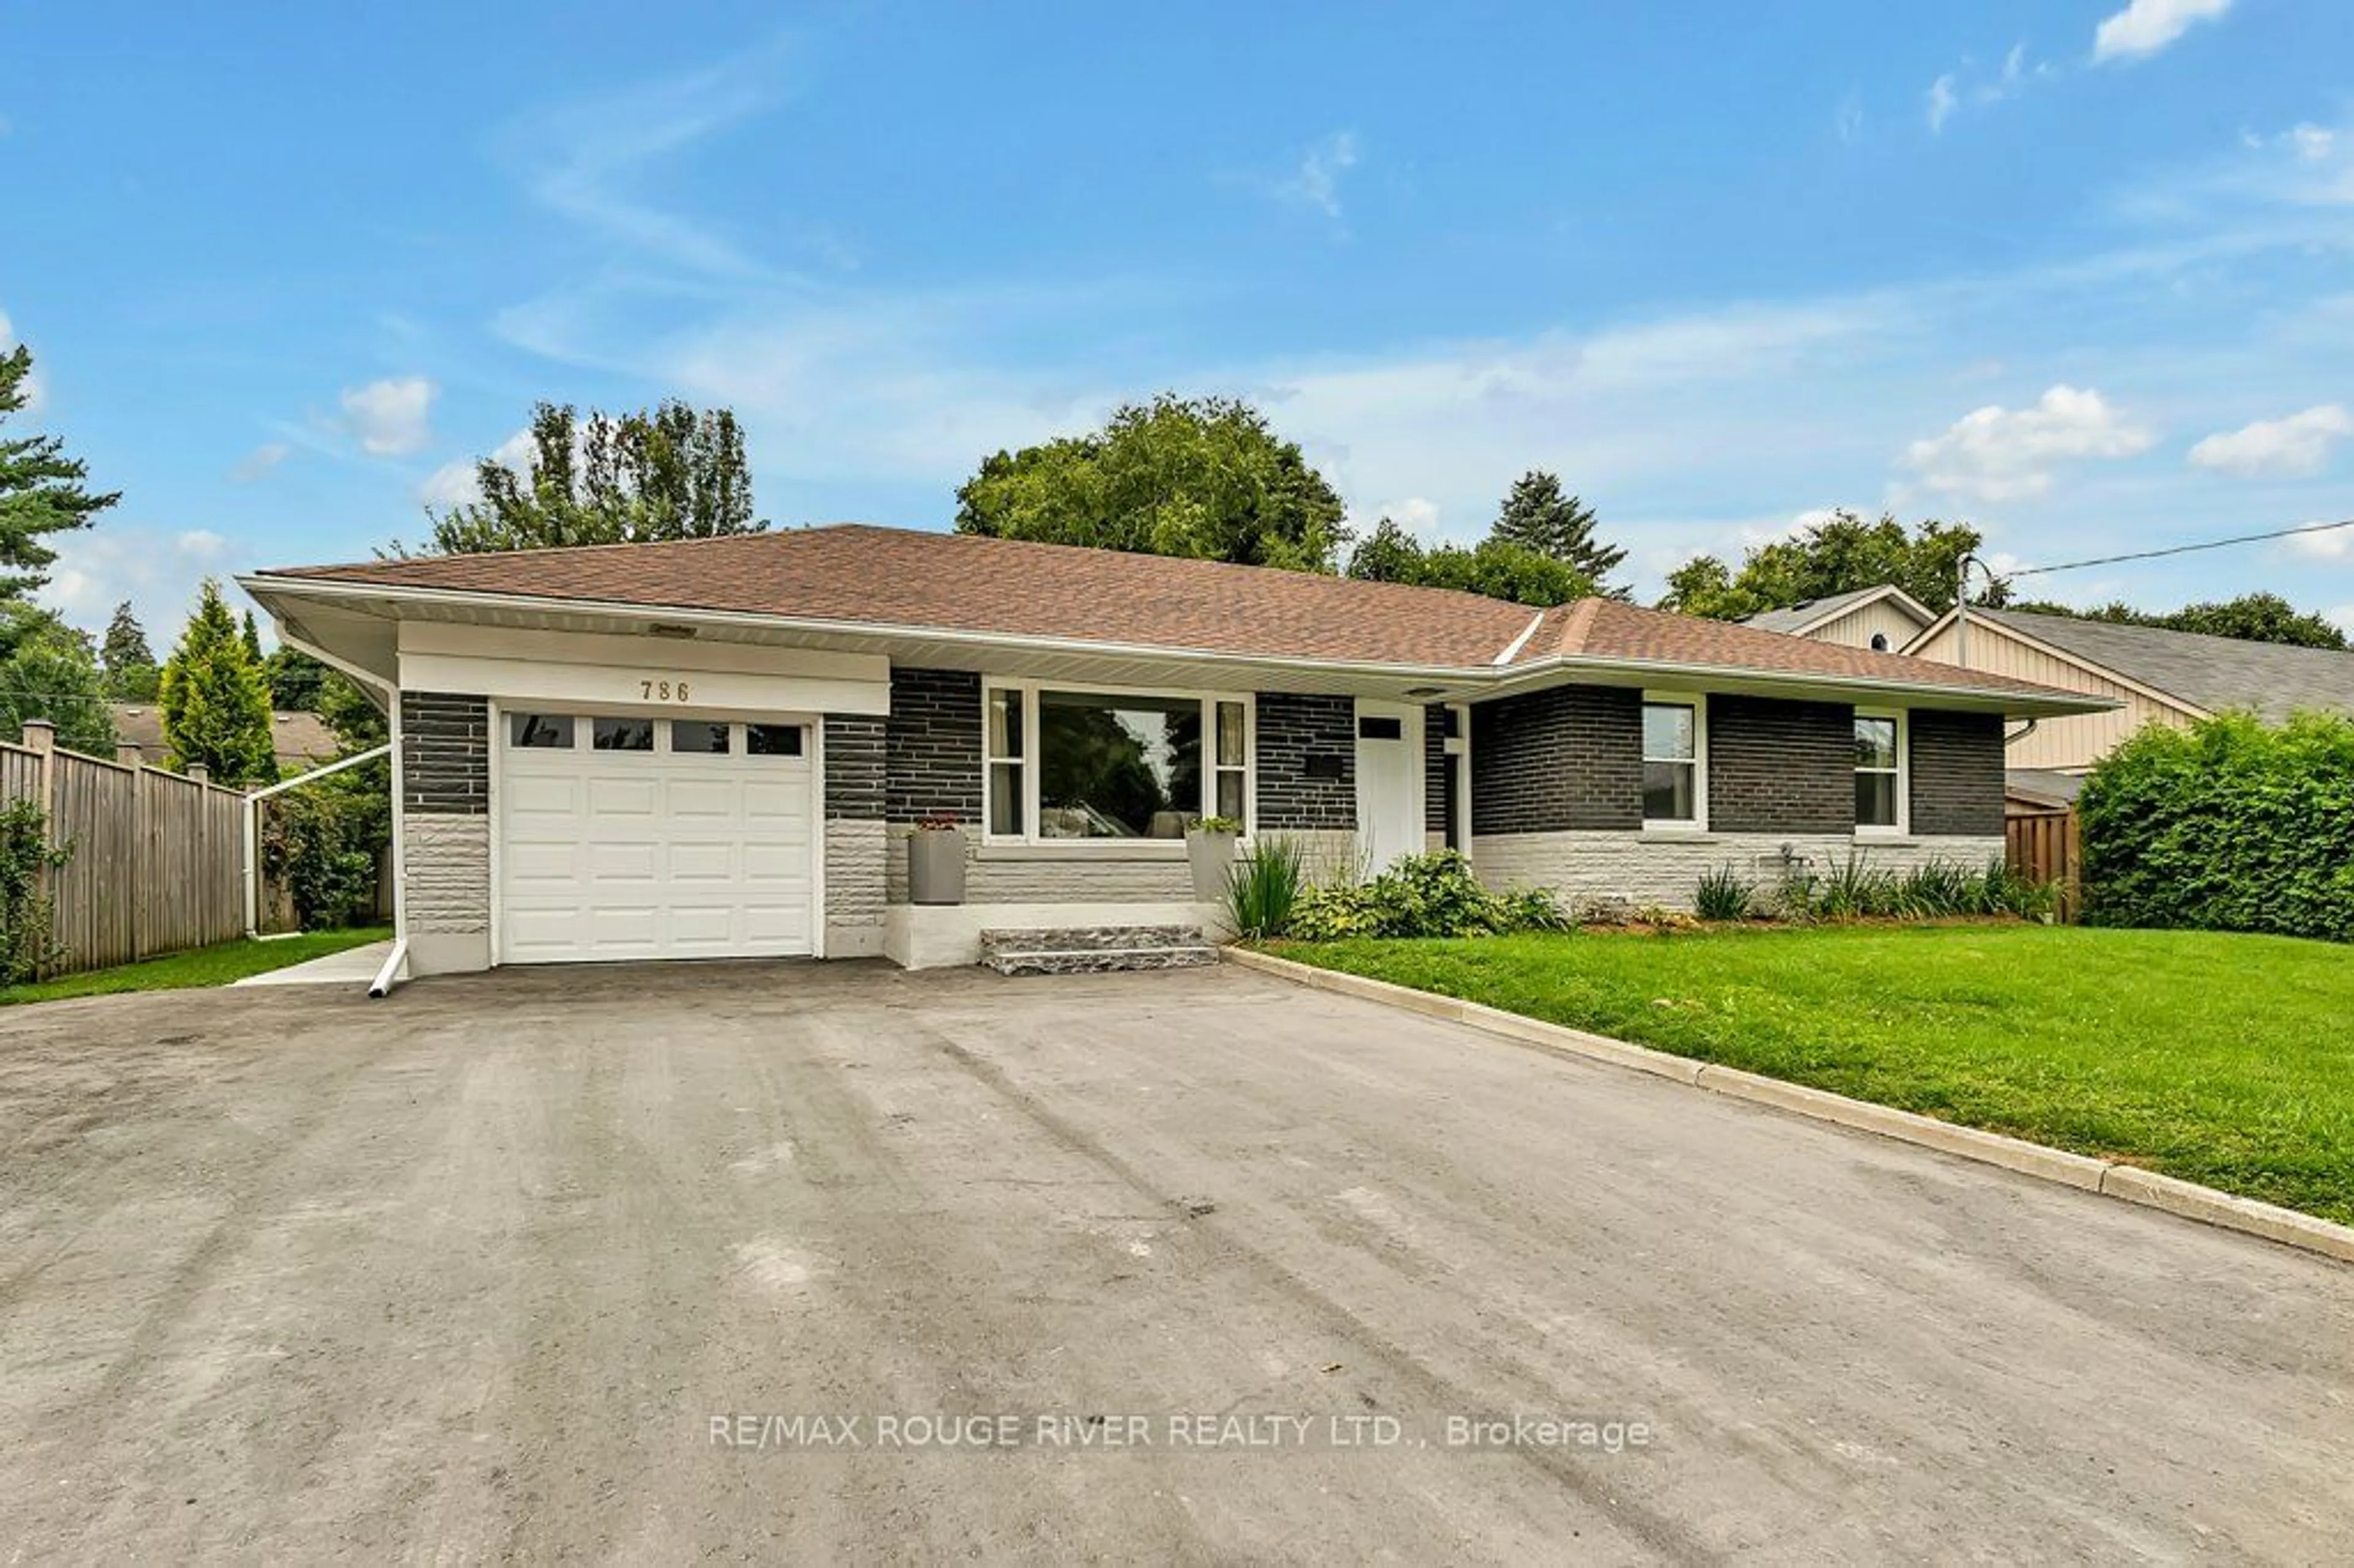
622	836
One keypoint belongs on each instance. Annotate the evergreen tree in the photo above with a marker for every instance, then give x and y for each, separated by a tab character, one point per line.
41	490
131	674
215	703
1537	516
294	679
253	640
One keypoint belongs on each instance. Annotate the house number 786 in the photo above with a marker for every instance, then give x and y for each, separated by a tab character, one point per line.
664	691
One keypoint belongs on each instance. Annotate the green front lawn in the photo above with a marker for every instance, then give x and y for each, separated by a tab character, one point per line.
202	967
2221	1059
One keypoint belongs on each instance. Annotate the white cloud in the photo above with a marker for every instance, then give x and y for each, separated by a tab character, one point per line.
258	462
100	567
590	161
1416	514
1316	181
2313	143
2334	544
391	418
2296	447
2003	454
455	484
1942	100
1966	86
1848	121
2146	27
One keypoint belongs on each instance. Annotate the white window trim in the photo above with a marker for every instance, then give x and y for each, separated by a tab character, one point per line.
1903	828
1698	702
1031	839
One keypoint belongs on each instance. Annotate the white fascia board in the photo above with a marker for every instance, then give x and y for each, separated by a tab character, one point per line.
1555	671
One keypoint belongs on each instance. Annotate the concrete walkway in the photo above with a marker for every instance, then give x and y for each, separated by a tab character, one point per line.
353	966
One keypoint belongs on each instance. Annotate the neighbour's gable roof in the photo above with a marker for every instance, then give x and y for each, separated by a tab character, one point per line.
294	737
870	578
1813	612
2210	673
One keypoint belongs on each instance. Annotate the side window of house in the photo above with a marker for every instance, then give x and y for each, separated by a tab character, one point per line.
1673	747
1879	771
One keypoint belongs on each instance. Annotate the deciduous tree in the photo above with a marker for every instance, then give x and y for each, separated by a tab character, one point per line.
674	472
1839	554
1206	478
1493	567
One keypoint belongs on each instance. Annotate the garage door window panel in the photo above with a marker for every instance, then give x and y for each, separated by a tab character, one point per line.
621	734
701	738
772	740
540	732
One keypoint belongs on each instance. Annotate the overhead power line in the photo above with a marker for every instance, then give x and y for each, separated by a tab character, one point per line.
2177	549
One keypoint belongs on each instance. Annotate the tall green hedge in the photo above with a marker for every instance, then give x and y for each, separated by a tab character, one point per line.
2233	825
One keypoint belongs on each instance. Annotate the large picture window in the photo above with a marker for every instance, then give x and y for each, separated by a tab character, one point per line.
1675	761
1074	764
1879	772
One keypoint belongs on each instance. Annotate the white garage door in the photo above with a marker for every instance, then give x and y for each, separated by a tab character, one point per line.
646	838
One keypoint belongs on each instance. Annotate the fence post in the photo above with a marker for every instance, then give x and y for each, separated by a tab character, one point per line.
128	755
41	739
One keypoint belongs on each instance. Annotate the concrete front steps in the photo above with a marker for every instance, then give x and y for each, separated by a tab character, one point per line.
1096	950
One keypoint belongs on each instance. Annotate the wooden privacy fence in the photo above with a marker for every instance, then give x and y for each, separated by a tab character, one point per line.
158	860
2048	846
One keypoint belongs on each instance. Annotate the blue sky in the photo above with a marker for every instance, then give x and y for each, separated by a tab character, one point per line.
2077	272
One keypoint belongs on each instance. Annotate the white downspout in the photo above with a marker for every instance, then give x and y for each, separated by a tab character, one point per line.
253	824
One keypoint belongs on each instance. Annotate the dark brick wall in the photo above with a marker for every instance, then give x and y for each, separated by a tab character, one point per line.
1436	718
1293	728
931	747
854	767
1957	767
1779	767
445	753
1564	758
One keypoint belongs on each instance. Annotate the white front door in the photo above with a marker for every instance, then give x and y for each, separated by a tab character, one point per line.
1389	781
633	837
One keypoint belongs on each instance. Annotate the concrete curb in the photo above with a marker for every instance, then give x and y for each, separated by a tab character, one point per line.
2107	1178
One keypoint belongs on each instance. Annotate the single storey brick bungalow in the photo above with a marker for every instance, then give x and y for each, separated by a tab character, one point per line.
712	748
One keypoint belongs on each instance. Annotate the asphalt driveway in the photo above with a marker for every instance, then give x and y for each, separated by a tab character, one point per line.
688	1261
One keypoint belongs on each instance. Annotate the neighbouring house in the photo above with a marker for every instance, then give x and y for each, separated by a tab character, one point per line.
716	747
301	741
1884	620
2152	675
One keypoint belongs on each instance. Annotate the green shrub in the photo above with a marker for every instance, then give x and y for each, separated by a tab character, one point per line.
322	841
1263	888
1724	895
27	912
1434	895
2232	825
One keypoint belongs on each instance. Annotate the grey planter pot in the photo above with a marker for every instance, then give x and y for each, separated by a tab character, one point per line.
1211	857
936	866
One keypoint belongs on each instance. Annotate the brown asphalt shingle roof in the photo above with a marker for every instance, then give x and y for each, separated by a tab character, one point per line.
860	575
